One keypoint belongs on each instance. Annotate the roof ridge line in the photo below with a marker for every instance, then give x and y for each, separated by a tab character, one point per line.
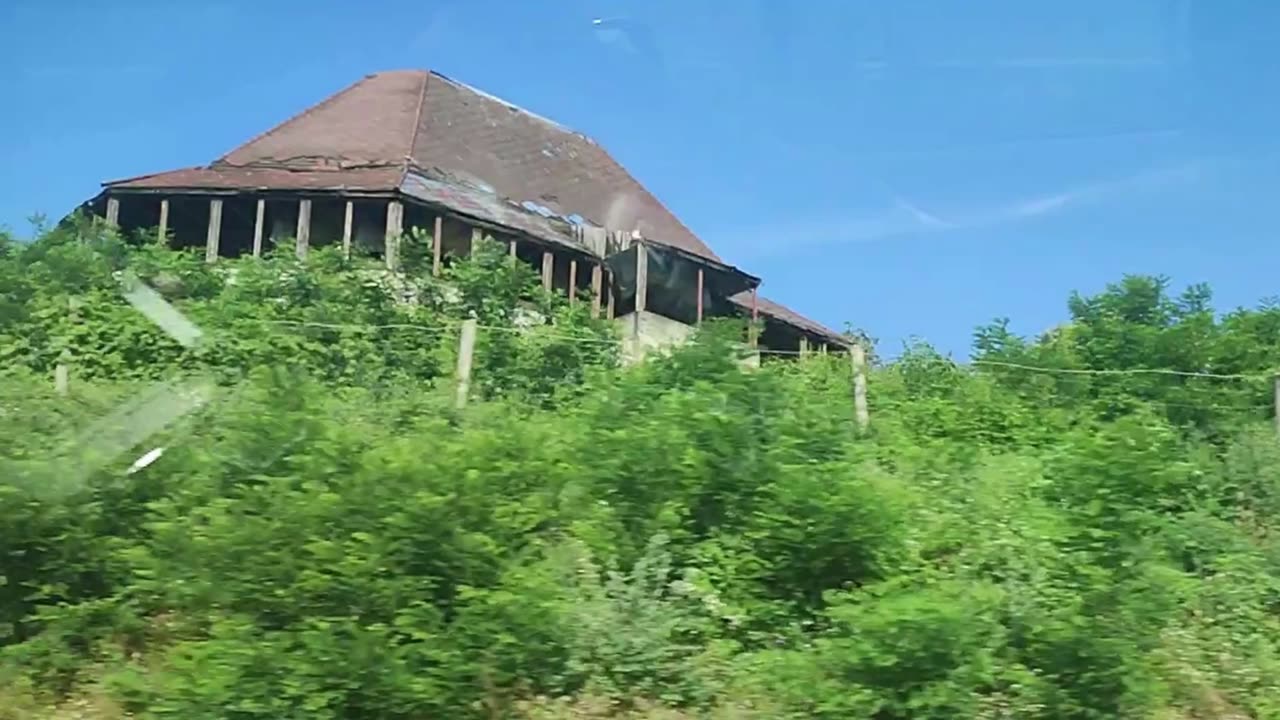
280	125
417	118
513	106
661	204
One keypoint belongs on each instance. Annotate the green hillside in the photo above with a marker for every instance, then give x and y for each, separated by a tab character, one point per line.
1079	526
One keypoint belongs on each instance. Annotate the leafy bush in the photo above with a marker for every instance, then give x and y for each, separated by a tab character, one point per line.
329	537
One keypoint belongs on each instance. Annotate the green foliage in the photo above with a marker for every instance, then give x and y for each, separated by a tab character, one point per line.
330	538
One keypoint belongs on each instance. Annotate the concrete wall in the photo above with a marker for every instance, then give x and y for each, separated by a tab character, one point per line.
645	332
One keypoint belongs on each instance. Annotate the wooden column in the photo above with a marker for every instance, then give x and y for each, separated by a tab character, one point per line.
611	310
642	277
573	281
304	228
1275	391
162	230
597	284
804	347
215	230
700	281
477	236
548	267
259	218
113	211
437	245
347	221
395	227
511	250
755	317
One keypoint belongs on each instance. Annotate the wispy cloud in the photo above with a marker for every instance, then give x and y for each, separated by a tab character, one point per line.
905	218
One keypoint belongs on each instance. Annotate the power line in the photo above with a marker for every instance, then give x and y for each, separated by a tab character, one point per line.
1121	371
454	324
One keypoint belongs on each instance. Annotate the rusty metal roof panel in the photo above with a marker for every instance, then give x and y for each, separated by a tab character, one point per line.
488	207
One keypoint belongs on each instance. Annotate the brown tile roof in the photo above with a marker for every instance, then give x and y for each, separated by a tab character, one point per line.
784	314
416	118
227	177
391	130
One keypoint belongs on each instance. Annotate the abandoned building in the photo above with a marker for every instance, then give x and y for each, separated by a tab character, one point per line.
416	151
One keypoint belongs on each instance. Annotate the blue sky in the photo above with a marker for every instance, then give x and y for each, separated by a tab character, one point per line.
915	167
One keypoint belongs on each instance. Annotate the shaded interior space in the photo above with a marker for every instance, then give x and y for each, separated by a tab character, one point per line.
369	228
560	274
530	255
455	241
776	336
582	280
279	225
328	216
139	217
188	221
239	213
672	282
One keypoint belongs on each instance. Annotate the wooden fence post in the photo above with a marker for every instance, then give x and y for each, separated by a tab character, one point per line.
466	349
858	356
62	372
1275	393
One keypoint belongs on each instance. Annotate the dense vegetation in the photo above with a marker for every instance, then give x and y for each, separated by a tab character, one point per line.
328	537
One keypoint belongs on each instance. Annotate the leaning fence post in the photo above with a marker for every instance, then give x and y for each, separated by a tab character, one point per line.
466	348
858	357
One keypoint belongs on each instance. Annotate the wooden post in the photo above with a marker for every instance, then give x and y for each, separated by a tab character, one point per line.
755	317
163	229
804	348
62	374
466	348
62	371
437	245
858	357
304	228
477	236
700	281
395	226
642	277
597	284
257	227
1275	391
611	311
548	267
215	230
511	250
347	221
113	211
573	281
